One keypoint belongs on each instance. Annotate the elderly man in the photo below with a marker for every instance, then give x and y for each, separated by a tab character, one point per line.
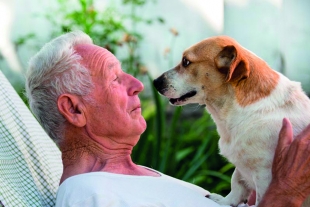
92	111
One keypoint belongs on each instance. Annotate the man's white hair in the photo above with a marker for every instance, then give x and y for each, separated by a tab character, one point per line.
53	71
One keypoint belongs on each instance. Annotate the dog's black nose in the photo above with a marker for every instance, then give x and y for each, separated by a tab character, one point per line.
159	82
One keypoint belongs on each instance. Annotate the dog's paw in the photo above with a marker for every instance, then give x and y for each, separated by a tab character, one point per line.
224	200
216	198
245	205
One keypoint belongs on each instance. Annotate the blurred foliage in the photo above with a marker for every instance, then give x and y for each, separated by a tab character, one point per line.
174	143
110	28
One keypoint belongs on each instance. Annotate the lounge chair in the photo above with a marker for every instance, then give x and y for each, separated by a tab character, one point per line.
30	162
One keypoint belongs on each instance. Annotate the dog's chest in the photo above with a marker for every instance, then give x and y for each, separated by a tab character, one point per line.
248	141
249	150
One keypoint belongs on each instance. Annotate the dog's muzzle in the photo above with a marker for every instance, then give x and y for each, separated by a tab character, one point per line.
160	84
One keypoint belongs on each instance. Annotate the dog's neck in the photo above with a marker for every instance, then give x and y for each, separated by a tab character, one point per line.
260	83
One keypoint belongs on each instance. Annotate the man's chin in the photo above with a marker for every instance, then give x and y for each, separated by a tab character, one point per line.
143	124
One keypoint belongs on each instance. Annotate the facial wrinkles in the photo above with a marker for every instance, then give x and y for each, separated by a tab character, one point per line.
101	62
96	58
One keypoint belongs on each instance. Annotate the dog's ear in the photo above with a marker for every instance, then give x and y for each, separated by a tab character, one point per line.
232	64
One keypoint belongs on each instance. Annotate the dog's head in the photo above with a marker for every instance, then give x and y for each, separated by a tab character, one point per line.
208	70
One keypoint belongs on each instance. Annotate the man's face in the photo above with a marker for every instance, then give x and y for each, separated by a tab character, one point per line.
115	111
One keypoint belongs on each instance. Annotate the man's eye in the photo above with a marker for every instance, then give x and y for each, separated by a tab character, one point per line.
185	62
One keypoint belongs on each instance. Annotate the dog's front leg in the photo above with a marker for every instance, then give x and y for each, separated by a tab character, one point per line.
239	191
262	180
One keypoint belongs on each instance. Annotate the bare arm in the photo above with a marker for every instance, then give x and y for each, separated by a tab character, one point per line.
290	184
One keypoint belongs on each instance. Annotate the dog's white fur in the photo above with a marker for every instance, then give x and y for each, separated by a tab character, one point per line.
247	100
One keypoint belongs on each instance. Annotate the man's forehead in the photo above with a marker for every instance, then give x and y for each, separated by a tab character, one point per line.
113	64
89	50
96	57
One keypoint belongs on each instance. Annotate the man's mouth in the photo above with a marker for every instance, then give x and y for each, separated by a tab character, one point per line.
136	107
180	100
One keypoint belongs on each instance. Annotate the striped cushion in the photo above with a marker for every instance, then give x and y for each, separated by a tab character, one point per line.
30	162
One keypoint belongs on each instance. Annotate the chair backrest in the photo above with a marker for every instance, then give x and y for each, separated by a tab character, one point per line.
30	162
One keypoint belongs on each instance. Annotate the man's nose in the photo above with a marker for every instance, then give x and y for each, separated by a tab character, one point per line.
136	86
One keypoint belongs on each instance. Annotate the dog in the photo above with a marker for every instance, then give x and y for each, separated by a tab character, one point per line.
247	101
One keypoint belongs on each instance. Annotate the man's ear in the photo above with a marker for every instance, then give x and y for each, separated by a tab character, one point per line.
232	64
72	108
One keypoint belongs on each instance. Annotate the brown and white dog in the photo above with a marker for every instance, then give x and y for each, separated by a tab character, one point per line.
246	99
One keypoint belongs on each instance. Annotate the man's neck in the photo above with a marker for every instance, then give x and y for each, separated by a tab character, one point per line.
80	156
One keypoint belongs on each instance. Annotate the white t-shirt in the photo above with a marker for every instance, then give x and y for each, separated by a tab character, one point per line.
102	189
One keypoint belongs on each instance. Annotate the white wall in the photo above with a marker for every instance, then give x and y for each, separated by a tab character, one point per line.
278	31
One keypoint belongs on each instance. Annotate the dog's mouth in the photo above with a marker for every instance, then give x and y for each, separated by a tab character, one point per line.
180	100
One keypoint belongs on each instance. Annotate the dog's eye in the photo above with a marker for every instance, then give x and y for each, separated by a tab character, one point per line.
185	62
